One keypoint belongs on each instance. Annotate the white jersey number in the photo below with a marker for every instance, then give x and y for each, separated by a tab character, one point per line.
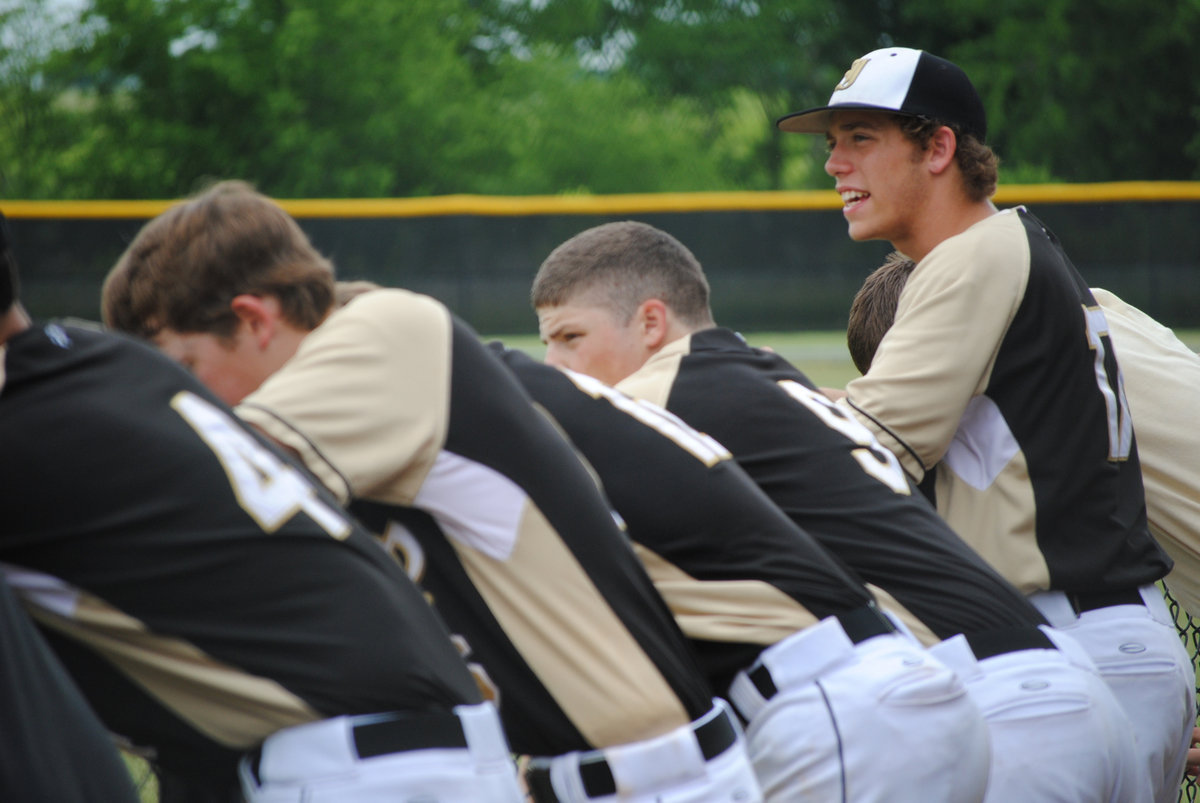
1120	425
873	456
267	488
705	448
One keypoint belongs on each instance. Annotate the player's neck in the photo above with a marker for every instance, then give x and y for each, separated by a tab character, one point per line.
943	220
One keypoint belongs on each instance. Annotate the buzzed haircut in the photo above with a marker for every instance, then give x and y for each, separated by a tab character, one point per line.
873	309
185	266
620	265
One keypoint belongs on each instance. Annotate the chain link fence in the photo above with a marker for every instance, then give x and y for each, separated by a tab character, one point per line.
1189	631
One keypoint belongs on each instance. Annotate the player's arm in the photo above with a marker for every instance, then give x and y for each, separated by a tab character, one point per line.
939	353
363	401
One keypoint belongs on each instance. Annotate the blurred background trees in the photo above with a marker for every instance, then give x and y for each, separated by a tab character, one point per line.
394	98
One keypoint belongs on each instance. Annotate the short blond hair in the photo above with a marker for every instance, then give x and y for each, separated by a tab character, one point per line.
620	265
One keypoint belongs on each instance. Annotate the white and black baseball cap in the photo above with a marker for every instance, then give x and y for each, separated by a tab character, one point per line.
903	81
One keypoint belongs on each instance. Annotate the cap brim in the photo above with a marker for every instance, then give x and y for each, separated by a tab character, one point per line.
816	120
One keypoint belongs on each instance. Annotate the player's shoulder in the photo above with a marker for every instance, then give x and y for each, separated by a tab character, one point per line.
385	319
388	301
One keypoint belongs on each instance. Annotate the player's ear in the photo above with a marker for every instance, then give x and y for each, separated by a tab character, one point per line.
653	321
258	314
941	149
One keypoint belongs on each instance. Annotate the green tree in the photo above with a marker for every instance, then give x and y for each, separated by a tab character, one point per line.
1083	90
35	117
309	98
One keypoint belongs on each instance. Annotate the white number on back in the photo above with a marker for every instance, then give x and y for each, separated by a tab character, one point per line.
704	447
267	488
1120	425
874	458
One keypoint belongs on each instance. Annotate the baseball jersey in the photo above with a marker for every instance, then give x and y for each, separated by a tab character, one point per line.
1162	383
737	573
397	405
200	590
995	330
831	477
52	747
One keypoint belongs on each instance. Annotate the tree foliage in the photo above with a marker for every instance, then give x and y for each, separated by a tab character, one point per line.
341	98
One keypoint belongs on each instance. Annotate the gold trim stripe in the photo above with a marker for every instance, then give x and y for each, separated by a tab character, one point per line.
519	205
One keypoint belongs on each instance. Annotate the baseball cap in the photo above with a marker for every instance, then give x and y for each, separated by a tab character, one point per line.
8	269
903	81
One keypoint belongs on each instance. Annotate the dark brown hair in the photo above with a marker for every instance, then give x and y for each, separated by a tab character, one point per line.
873	309
185	266
979	165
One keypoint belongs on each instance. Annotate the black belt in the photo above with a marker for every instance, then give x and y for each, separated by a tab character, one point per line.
1091	600
996	642
860	624
714	736
398	733
384	734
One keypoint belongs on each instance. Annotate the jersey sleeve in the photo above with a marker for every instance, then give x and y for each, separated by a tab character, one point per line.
1162	383
939	353
365	400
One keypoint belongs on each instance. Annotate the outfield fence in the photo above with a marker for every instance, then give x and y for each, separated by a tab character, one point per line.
1189	631
776	260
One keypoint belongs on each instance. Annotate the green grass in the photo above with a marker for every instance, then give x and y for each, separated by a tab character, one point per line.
821	355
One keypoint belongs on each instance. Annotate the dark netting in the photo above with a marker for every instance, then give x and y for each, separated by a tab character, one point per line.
1189	631
770	270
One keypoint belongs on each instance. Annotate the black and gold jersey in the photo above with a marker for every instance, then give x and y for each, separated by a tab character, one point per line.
999	377
736	572
200	588
52	746
830	476
398	407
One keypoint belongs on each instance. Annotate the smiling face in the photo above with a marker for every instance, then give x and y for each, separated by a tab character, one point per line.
591	339
880	174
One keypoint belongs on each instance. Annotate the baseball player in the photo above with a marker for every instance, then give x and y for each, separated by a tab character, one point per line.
1161	379
750	589
398	408
1162	386
209	600
52	747
626	297
1044	479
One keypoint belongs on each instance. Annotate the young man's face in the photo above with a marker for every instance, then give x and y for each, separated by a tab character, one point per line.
227	367
878	173
591	340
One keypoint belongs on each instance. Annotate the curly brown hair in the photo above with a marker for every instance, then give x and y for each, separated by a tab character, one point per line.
978	163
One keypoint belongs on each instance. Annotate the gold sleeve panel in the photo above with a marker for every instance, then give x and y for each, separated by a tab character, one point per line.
1009	542
939	353
654	379
725	611
366	397
571	638
230	706
909	619
1162	385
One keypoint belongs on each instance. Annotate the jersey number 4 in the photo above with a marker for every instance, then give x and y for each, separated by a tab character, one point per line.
266	487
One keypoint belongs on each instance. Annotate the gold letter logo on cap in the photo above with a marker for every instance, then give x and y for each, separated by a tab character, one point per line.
851	74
